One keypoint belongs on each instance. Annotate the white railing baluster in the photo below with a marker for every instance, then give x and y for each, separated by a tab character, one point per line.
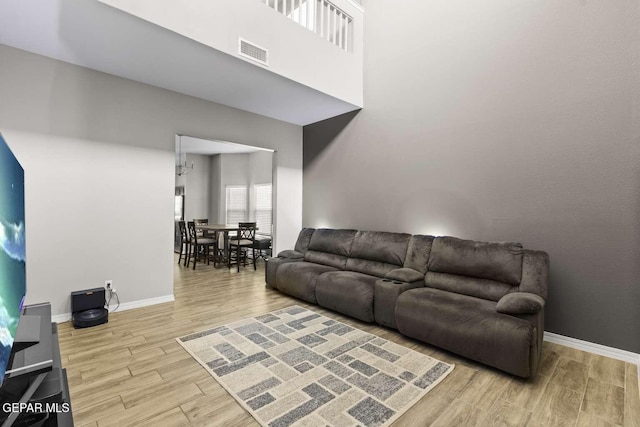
320	16
329	22
345	27
334	30
346	34
340	19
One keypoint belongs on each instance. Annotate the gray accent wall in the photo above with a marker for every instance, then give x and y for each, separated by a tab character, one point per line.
496	121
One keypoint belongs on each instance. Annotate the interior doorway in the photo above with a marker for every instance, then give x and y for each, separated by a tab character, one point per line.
224	183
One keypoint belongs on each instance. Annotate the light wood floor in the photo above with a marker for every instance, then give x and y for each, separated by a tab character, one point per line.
131	371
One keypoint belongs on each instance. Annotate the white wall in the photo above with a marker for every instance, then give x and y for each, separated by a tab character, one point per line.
260	167
294	52
215	173
105	146
91	208
197	188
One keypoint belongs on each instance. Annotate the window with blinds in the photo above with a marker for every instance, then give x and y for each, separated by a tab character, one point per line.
263	209
236	204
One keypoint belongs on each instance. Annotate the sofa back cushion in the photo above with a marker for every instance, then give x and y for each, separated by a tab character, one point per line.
418	253
381	246
337	242
330	247
304	238
376	252
500	262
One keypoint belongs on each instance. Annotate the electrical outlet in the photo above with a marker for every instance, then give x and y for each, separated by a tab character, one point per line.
108	284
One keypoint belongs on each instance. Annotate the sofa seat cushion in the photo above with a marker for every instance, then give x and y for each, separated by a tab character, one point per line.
405	275
468	326
271	269
347	292
471	286
299	279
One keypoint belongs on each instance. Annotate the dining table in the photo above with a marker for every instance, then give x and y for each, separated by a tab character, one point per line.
225	230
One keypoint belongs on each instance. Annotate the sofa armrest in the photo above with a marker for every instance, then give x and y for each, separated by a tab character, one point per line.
290	254
271	267
520	303
404	275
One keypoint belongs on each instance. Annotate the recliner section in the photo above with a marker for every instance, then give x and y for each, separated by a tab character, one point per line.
484	301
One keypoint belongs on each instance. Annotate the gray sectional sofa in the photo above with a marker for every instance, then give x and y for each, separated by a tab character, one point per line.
484	301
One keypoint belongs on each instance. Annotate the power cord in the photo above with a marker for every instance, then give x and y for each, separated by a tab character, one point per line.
112	293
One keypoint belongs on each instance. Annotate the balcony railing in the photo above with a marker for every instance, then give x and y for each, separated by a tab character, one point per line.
320	16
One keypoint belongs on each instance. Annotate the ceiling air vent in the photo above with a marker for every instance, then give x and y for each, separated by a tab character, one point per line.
252	51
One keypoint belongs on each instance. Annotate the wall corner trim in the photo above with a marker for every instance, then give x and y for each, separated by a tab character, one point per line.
602	350
65	317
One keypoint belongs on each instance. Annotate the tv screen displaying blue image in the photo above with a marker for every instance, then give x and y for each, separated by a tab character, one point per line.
12	251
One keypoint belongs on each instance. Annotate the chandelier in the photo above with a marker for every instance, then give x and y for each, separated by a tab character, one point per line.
182	168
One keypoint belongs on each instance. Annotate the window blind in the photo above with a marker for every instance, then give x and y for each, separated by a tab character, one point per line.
263	209
236	204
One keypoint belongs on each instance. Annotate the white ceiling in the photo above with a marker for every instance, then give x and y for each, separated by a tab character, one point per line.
93	35
207	147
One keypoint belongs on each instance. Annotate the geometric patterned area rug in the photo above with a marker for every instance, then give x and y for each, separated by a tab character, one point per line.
295	367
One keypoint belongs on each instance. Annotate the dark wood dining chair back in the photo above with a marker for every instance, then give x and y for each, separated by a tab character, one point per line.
200	246
247	230
185	242
242	242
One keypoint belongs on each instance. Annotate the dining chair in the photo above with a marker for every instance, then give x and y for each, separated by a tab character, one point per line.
263	246
185	242
244	240
200	246
201	221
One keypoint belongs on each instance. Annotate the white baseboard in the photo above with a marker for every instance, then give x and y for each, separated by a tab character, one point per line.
602	350
61	318
65	317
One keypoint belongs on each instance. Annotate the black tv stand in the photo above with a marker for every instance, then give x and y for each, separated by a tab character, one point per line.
35	389
28	332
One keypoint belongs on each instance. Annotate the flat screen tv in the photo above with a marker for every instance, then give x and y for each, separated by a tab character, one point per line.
12	251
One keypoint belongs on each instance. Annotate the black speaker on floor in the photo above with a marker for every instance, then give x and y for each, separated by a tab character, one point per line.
88	308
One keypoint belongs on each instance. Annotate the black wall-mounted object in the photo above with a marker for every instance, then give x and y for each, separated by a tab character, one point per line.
88	308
